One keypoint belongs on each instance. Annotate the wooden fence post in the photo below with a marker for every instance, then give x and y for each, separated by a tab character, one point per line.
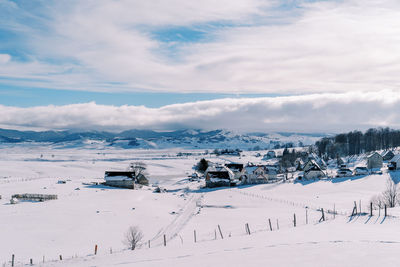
165	241
294	219
385	210
371	208
334	211
12	260
306	216
354	212
149	243
220	232
31	262
95	250
270	225
248	228
194	233
277	224
60	257
322	215
215	234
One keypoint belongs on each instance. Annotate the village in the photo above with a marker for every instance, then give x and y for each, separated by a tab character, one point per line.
274	166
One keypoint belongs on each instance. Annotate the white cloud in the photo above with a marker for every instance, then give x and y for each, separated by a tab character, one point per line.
4	58
308	113
322	47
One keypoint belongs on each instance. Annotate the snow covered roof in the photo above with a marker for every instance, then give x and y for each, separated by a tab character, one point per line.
396	158
312	165
374	154
214	170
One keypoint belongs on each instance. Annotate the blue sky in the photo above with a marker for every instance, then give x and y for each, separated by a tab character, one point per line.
158	53
30	97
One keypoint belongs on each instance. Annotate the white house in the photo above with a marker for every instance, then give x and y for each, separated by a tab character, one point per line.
257	174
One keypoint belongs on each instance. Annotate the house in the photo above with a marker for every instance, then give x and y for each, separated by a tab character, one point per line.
270	155
255	174
237	169
219	176
361	171
374	161
312	170
124	179
394	163
387	155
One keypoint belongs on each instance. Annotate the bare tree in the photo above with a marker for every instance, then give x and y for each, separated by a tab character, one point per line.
390	195
132	237
138	167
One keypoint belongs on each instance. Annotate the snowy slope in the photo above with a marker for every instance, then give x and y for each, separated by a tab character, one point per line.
79	219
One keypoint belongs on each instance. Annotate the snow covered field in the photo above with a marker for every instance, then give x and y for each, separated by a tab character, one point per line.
85	215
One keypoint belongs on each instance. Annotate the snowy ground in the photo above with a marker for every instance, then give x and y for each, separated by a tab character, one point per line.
81	218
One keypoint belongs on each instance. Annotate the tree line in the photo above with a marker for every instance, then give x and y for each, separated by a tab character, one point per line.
357	142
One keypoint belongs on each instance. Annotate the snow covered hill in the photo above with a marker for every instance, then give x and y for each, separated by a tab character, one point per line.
85	215
147	139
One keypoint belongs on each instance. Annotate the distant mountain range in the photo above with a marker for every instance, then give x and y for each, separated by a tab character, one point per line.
158	140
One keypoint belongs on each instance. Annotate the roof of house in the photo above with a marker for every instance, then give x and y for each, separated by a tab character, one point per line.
314	166
387	152
129	174
374	154
395	158
236	167
213	170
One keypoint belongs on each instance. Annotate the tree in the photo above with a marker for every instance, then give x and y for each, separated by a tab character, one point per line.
132	237
137	167
202	165
390	195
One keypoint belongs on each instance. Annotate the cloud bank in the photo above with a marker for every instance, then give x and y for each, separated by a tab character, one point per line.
307	113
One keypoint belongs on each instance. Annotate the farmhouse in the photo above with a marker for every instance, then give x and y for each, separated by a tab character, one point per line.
258	174
124	179
312	170
374	161
218	176
394	163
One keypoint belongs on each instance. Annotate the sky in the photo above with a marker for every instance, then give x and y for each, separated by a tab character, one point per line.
245	65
